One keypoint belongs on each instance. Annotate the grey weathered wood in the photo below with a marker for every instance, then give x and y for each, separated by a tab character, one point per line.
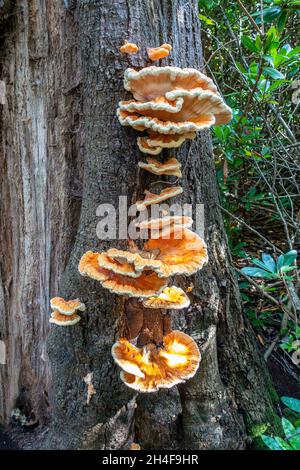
39	171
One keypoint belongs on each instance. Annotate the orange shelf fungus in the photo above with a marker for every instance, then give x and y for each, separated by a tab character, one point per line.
147	284
118	265
135	446
64	320
129	48
154	82
165	222
171	298
157	53
66	307
137	262
64	311
170	101
152	198
155	143
150	368
182	252
171	167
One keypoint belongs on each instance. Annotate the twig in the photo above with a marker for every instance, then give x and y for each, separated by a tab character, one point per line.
268	296
251	95
270	348
249	16
251	229
262	17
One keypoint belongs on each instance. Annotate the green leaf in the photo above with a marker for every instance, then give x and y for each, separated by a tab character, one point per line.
273	73
289	258
249	43
269	262
288	428
295	441
258	42
269	14
205	19
282	443
294	51
255	272
261	265
292	403
287	269
280	261
271	443
281	22
276	84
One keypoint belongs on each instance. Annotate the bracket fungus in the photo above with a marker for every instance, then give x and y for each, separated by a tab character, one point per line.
66	307
153	144
165	222
64	311
64	320
129	48
171	104
171	167
157	53
154	82
182	252
137	262
146	284
170	298
152	198
152	367
171	100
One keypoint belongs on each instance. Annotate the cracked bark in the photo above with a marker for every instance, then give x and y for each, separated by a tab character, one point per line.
231	391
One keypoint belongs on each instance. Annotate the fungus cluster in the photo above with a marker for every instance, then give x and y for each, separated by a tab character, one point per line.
171	167
157	53
151	367
64	312
123	273
171	105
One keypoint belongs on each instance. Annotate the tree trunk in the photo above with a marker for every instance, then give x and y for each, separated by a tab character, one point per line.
40	176
231	391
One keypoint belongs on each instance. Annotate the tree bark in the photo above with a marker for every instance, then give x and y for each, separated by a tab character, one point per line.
40	178
232	390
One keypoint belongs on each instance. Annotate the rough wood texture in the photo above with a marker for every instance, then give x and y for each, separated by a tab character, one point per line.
39	175
230	392
209	410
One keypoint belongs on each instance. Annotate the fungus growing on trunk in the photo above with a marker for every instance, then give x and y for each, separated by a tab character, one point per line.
152	367
155	143
64	320
135	446
171	167
129	48
64	311
152	198
66	307
171	298
182	252
157	53
154	82
136	261
146	284
170	101
165	222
